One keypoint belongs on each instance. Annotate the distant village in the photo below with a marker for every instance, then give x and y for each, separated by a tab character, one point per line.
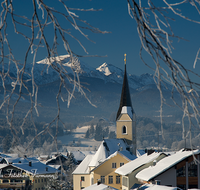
117	164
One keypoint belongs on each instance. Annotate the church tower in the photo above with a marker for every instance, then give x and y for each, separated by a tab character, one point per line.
126	119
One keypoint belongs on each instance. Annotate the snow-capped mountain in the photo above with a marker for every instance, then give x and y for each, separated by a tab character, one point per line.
44	73
115	74
104	89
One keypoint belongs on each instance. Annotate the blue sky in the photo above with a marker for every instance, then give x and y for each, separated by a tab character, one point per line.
123	37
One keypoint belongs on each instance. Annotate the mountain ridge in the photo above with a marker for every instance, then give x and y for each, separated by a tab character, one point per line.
104	85
43	73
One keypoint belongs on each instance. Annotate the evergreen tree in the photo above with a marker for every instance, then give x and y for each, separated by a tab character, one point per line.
98	133
87	134
92	130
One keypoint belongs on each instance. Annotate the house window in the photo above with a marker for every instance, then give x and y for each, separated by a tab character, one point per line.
36	181
117	179
82	178
92	181
110	179
125	181
114	165
102	179
121	164
192	169
180	172
124	130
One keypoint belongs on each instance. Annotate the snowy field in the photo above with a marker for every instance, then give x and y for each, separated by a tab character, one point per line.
76	138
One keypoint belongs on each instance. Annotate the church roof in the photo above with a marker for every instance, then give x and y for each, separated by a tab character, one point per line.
107	148
125	96
83	167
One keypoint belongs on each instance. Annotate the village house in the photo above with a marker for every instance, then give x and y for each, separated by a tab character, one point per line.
24	173
105	172
181	169
129	170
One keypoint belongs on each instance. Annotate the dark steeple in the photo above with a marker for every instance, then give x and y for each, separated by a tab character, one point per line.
125	95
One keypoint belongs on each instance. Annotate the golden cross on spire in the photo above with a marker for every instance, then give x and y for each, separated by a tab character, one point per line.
125	59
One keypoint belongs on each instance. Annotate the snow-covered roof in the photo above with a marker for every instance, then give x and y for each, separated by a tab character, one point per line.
3	165
99	156
124	153
140	152
8	155
10	160
58	167
164	164
127	154
36	168
154	187
138	162
56	159
128	110
99	187
80	155
83	167
107	148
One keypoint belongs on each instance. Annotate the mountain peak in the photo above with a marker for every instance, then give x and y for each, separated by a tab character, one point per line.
104	69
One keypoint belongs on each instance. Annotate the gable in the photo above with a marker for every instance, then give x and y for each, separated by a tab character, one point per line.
124	117
106	166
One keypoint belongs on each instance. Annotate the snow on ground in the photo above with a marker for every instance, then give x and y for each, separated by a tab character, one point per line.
78	137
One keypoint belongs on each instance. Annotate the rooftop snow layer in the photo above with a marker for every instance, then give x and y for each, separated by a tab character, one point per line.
133	165
83	167
128	110
36	168
164	164
107	147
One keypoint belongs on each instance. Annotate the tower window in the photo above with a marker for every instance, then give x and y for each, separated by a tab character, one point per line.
124	131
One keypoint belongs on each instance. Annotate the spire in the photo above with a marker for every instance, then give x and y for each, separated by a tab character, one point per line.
125	95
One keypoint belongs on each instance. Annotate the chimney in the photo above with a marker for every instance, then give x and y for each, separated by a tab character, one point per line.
30	163
150	152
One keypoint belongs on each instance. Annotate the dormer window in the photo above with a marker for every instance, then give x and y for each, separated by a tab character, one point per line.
124	130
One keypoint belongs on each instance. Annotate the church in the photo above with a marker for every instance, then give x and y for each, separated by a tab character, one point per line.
112	153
